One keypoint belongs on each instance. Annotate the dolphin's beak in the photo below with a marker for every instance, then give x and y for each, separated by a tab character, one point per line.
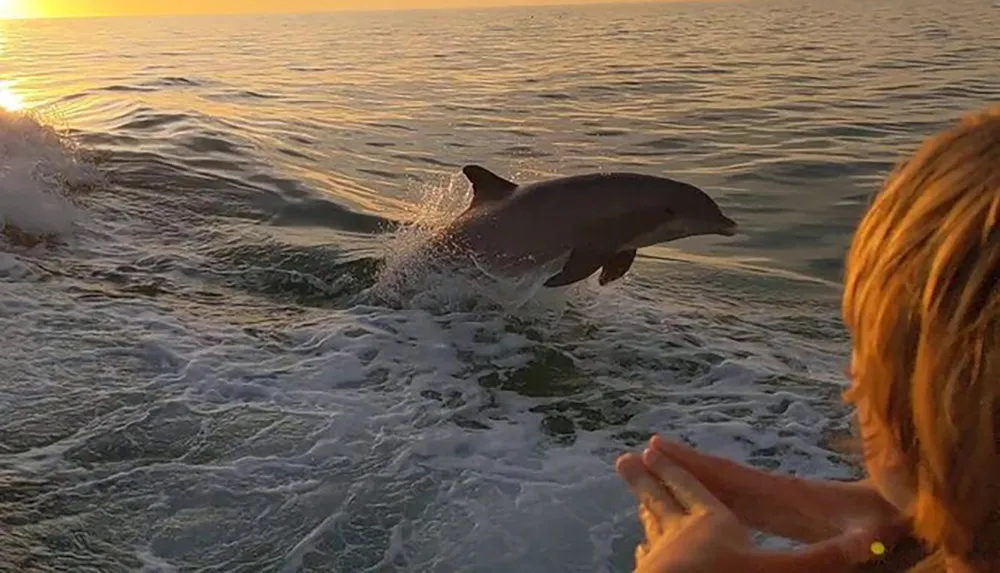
728	227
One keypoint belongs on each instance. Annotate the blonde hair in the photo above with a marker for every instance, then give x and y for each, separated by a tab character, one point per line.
922	302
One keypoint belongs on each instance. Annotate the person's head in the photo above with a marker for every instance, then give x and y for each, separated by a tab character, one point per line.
922	304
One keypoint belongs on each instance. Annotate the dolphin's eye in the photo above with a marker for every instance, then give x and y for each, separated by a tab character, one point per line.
669	212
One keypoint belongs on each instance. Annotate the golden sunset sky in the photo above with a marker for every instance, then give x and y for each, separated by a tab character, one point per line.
71	8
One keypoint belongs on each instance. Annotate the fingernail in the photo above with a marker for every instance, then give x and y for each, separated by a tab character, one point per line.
626	469
652	457
620	462
661	444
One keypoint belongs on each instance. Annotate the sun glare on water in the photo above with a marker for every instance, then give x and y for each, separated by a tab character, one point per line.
10	100
11	9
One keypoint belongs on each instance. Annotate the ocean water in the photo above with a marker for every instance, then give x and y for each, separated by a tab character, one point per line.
218	359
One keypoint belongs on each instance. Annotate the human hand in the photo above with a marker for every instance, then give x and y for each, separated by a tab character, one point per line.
686	527
689	530
790	507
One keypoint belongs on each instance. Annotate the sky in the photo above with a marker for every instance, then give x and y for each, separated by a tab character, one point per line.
72	8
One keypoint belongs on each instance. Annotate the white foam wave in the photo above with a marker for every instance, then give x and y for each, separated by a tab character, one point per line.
38	166
372	437
414	278
470	427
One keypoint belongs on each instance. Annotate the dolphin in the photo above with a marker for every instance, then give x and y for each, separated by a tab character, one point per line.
599	220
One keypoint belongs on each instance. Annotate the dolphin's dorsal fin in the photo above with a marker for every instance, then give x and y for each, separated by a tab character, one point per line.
486	185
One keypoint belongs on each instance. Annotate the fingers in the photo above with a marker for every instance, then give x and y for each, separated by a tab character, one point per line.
731	482
651	522
707	468
647	489
779	504
685	488
641	551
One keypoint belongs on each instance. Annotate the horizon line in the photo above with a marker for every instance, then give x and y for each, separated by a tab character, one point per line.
551	4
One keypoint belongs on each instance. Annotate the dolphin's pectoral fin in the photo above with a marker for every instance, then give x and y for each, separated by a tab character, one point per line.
580	265
487	186
617	266
598	246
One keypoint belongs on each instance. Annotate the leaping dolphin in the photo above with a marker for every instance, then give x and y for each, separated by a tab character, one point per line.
599	219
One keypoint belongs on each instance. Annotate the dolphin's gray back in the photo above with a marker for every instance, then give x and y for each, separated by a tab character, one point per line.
587	196
541	221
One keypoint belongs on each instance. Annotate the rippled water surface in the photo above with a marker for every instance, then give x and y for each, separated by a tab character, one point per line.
216	359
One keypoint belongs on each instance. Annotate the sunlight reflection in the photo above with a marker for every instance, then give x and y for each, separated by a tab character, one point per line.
10	100
10	9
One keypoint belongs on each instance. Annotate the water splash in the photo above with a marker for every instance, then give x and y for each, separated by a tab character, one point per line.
40	167
413	277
